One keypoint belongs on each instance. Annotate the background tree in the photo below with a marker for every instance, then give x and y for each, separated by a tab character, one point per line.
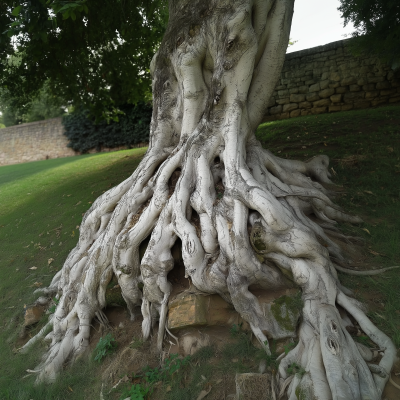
272	223
94	54
43	106
377	24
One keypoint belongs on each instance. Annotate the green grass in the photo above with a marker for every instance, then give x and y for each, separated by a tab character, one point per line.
41	205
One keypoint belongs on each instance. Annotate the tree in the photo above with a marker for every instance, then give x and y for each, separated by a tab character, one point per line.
213	74
92	54
377	24
43	106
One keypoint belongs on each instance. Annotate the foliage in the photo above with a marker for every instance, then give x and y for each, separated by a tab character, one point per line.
377	24
235	329
296	369
136	392
43	106
132	127
52	309
105	346
171	365
94	54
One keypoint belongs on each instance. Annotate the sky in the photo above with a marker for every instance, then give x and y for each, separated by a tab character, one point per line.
317	22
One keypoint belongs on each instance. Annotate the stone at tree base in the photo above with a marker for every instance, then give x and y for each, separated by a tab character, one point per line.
196	309
251	386
33	314
281	309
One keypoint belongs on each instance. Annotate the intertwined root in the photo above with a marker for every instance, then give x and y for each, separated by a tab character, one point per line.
244	216
265	217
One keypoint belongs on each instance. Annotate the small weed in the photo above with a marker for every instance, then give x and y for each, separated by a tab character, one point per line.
136	392
296	369
236	329
136	343
171	365
363	340
52	309
105	346
288	347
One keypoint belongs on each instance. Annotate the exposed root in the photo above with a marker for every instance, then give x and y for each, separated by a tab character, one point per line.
243	215
364	273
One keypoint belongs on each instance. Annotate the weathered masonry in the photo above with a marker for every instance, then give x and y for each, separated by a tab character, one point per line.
34	141
329	78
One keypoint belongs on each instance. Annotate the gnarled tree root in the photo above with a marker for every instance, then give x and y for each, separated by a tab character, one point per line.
243	215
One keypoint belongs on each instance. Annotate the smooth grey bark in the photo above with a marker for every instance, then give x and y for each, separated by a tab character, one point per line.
213	76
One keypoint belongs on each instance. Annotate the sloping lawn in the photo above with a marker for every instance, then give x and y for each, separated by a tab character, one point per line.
42	203
41	206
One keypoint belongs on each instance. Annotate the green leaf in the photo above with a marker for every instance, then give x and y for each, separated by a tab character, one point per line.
16	11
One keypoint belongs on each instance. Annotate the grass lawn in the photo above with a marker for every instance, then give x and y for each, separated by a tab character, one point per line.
42	203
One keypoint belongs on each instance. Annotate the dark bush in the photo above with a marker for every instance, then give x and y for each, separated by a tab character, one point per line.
84	134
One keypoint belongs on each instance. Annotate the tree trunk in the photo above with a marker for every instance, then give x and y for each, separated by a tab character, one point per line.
213	76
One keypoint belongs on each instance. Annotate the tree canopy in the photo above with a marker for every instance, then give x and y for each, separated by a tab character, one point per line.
377	24
94	54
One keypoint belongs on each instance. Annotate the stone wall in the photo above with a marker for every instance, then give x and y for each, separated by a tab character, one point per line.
34	141
329	78
39	140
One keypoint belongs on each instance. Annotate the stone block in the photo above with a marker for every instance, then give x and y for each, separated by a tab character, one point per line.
295	113
362	81
347	107
305	112
189	310
312	97
303	89
290	107
33	315
324	84
368	87
314	88
318	110
297	98
322	103
372	94
252	386
285	115
335	76
383	85
388	92
195	310
375	79
283	93
305	104
350	97
334	85
354	88
275	110
350	80
359	104
325	75
394	99
310	82
378	102
293	91
341	90
281	87
285	100
326	93
335	108
336	98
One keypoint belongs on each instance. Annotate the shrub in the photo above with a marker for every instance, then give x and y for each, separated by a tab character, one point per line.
85	134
